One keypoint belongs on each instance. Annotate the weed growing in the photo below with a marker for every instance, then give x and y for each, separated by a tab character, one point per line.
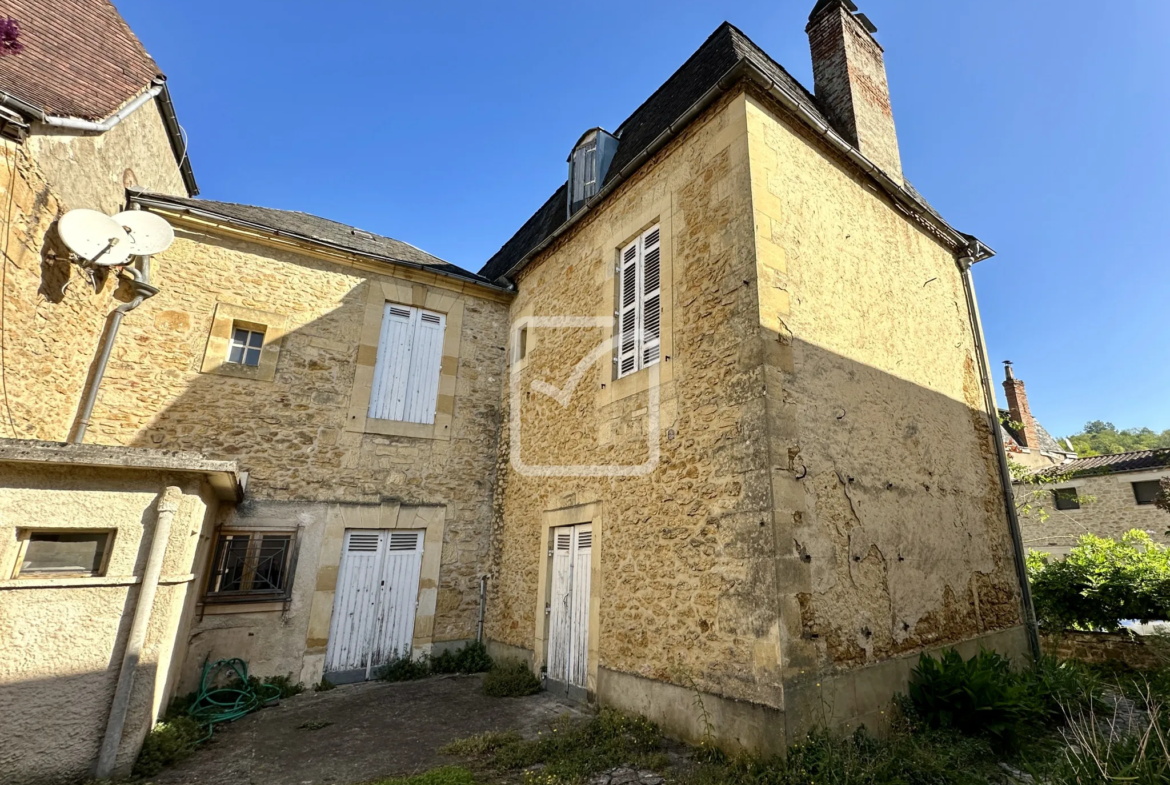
510	679
446	775
167	743
469	658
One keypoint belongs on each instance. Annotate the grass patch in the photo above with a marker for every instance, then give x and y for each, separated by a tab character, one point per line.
167	743
569	751
510	679
445	775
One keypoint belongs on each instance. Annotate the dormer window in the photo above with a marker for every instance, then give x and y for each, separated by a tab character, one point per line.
588	164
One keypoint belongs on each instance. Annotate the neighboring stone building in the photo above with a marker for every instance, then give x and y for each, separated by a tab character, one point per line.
750	445
1025	439
314	406
1105	495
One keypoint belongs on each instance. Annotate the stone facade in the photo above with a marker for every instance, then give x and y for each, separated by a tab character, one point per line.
1137	651
1108	509
825	500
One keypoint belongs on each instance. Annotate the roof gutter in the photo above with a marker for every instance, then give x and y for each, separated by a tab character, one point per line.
915	208
161	204
175	133
77	124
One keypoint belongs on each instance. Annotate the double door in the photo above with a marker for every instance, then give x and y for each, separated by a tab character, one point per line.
375	602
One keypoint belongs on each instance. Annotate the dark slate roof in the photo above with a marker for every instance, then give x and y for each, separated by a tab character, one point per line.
314	229
1141	460
1047	443
80	59
726	48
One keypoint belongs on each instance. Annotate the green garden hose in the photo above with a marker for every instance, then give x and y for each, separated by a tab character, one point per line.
238	696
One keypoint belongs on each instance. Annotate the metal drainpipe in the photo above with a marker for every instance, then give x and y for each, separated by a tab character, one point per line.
140	283
168	504
482	606
1005	474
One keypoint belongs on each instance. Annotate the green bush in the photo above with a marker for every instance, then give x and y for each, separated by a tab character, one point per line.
979	696
470	658
167	743
406	669
1101	583
510	679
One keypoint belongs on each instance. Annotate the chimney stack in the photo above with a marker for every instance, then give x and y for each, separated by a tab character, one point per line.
1018	410
849	75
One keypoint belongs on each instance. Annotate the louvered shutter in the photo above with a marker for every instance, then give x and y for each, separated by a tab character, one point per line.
640	303
426	357
388	397
406	371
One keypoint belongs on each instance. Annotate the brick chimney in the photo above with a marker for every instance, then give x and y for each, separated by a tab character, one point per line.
1018	410
849	75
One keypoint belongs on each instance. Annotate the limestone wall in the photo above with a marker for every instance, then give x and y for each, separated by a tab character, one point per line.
890	525
1109	509
61	639
94	170
680	567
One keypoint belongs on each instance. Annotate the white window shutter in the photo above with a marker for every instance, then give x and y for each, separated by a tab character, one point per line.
388	396
406	371
640	303
426	358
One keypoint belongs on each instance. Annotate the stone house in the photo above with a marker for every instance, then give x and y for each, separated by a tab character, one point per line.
750	451
296	411
1105	495
717	419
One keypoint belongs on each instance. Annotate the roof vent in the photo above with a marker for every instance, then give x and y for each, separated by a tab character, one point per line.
588	164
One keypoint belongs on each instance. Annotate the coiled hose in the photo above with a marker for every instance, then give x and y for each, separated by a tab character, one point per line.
238	696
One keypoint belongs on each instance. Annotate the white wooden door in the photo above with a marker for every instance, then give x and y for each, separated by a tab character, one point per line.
568	644
375	602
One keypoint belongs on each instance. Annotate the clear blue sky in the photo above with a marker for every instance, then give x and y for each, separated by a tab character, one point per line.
1040	126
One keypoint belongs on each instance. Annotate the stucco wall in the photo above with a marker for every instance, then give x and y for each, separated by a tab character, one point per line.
676	577
891	527
1112	512
93	170
61	639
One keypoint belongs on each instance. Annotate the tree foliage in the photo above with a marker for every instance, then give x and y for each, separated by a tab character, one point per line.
1030	494
1101	583
1103	438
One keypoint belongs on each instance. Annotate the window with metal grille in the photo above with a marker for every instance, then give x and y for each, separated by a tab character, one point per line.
246	344
1146	492
639	313
1066	499
251	566
49	554
406	371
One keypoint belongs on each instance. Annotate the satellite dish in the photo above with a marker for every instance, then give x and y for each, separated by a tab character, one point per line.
149	233
95	237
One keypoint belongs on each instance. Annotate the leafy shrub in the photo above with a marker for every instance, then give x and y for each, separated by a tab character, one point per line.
324	685
445	775
481	744
1101	583
470	658
981	695
167	743
510	679
406	669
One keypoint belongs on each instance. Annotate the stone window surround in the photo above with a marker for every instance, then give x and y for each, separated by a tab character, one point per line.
611	388
591	512
223	324
431	298
431	519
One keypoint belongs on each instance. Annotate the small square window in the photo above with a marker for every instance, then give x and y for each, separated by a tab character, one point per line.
1066	499
1146	492
49	554
246	345
251	566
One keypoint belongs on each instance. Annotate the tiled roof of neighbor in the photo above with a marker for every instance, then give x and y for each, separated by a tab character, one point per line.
1141	460
80	59
722	51
1047	443
312	228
